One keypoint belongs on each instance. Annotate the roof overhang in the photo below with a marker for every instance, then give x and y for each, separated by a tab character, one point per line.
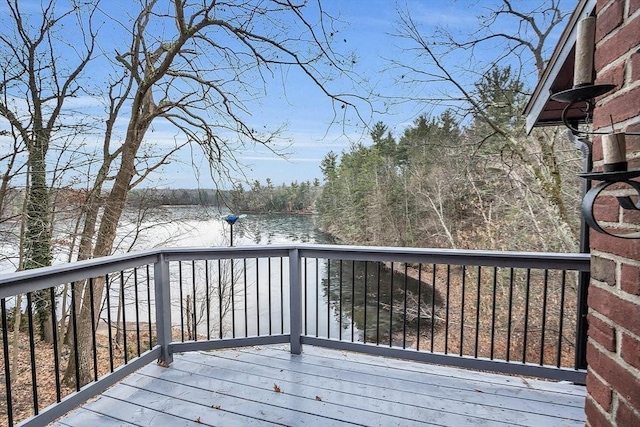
541	110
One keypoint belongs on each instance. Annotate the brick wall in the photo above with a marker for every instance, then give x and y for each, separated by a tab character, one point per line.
613	352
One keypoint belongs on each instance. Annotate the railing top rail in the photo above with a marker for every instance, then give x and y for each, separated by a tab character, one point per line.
31	280
236	252
542	260
40	278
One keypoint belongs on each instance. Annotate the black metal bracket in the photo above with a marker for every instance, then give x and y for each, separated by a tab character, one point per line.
586	93
625	202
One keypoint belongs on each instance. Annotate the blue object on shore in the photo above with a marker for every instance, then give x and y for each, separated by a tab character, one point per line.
231	218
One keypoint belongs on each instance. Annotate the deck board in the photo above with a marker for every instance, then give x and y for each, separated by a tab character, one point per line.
324	387
375	364
82	416
474	389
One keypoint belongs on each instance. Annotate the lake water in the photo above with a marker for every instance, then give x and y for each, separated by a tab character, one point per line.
340	299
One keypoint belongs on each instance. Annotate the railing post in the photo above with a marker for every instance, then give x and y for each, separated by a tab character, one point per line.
295	298
582	324
163	308
584	277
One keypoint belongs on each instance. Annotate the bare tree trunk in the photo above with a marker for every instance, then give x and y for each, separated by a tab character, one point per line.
18	297
439	211
113	207
164	65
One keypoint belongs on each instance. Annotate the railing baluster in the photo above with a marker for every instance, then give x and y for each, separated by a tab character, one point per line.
148	269
544	315
404	314
7	367
478	285
526	315
181	301
329	298
195	308
446	316
246	297
124	319
32	353
433	306
340	308
208	297
419	305
269	291
378	304
306	292
108	288
56	356
317	296
281	295
94	344
353	297
464	302
258	296
233	298
563	285
510	314
493	312
74	328
366	273
135	289
220	297
391	308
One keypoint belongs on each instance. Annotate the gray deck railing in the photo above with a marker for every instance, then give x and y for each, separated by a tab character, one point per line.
105	318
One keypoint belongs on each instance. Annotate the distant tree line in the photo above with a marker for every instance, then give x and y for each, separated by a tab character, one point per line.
177	196
295	197
258	197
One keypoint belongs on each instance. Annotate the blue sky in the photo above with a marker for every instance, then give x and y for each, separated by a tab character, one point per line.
309	128
371	28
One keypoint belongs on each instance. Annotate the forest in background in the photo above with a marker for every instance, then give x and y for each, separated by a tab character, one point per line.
256	198
477	184
464	174
293	198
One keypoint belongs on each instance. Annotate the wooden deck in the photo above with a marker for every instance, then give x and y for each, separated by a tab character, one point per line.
268	386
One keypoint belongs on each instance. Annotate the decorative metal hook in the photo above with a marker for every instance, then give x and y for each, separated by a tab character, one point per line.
625	202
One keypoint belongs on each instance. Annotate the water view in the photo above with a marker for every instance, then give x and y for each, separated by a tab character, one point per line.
341	299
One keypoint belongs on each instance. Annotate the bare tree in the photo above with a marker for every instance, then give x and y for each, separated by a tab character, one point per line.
39	82
533	22
488	89
199	76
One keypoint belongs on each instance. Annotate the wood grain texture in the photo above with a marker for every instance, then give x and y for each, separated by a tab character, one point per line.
268	385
